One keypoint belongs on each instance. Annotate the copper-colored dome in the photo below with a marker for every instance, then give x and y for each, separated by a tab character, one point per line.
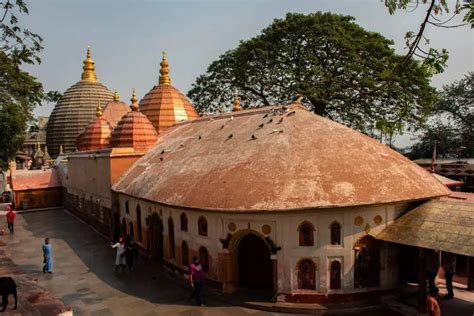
134	130
115	110
75	110
164	105
271	159
97	134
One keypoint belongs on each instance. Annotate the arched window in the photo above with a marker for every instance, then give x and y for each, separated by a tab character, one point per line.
306	231
124	227
131	229
335	233
367	263
204	257
202	226
139	223
184	222
306	275
184	253
172	249
127	210
335	275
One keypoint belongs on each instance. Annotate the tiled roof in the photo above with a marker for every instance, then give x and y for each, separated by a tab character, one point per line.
134	130
96	136
437	224
273	158
35	179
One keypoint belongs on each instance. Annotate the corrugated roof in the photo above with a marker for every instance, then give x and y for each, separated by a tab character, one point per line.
437	224
35	179
273	158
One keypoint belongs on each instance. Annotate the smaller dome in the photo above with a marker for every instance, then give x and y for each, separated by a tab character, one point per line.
164	105
134	130
97	134
115	110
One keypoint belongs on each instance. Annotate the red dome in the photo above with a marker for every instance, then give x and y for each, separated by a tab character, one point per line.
134	130
115	110
96	135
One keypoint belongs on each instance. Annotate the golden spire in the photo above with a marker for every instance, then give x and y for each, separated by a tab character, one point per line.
134	100
164	71
61	149
89	70
236	102
116	96
98	112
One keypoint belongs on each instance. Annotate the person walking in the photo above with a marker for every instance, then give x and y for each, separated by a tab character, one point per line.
47	256
432	266
10	219
196	279
120	254
448	262
131	251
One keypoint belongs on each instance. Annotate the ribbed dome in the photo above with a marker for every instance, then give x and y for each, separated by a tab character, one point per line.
134	130
115	110
273	158
97	134
165	105
75	110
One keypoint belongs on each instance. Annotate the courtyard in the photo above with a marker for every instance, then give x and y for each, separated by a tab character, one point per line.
84	276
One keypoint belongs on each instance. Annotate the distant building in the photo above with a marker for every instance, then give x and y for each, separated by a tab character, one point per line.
35	139
456	169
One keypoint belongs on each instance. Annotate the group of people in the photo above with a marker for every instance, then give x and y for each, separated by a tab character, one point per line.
126	252
448	263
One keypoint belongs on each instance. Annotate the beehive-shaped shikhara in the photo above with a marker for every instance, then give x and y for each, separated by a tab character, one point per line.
97	134
134	130
75	110
164	105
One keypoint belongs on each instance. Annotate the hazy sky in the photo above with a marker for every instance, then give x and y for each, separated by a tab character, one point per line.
127	37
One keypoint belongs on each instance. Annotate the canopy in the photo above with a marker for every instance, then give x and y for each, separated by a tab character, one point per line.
437	224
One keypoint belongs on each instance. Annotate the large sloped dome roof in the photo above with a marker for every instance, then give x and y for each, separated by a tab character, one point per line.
164	105
134	130
76	109
273	158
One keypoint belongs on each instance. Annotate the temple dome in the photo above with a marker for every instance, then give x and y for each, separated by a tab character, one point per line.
164	105
75	110
273	159
97	134
115	110
134	130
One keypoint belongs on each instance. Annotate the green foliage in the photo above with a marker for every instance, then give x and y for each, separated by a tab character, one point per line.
20	92
452	122
342	71
435	60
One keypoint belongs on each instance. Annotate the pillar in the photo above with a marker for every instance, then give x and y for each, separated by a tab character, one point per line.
275	277
421	280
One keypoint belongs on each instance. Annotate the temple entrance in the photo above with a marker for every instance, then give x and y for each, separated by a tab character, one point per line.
155	237
255	267
367	263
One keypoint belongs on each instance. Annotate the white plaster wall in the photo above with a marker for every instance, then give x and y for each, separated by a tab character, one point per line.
284	232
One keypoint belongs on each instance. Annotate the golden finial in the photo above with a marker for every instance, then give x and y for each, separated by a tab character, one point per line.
116	96
61	149
98	112
38	147
89	70
236	102
134	99
164	71
45	148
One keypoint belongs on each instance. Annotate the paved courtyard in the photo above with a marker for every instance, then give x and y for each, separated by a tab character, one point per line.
84	275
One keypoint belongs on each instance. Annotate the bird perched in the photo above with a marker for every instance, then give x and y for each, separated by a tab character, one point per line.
291	113
271	120
163	151
281	120
265	115
161	158
230	136
199	137
222	126
261	125
254	137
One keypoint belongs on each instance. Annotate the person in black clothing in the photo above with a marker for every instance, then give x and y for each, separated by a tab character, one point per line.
131	251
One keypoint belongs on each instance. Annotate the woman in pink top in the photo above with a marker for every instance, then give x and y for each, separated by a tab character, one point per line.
196	279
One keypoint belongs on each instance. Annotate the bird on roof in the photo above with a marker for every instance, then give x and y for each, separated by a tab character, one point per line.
281	120
271	120
230	136
261	125
222	126
199	137
254	137
163	151
265	115
291	113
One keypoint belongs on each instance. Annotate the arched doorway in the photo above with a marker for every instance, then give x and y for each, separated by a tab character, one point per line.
155	237
367	263
255	267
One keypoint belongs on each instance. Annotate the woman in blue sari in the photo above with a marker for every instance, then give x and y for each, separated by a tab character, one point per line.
47	257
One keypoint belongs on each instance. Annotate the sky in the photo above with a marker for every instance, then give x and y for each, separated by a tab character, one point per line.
127	37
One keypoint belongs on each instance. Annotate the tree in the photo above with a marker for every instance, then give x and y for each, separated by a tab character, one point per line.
452	123
416	42
19	91
340	70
